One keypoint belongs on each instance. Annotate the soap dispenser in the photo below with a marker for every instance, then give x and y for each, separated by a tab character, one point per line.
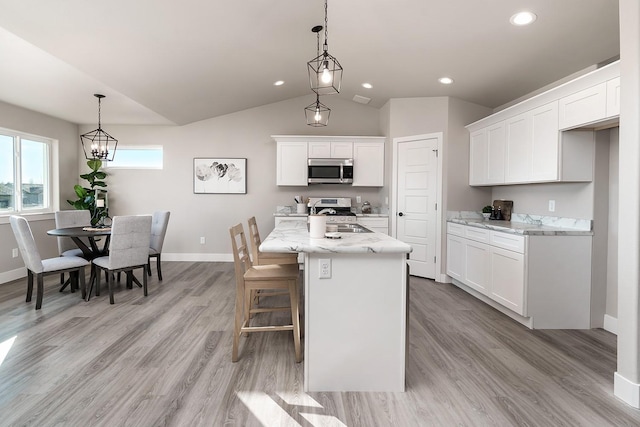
499	215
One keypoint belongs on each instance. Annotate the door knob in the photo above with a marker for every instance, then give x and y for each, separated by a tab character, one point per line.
400	214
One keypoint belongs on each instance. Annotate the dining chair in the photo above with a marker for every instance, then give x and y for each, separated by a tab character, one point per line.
265	258
251	278
38	267
128	250
66	245
159	222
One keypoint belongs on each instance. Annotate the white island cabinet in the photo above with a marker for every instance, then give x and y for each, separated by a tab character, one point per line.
355	308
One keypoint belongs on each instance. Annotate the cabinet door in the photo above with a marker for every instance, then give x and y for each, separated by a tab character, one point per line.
455	257
319	150
342	150
613	97
496	153
291	163
583	107
507	279
518	148
545	143
368	164
381	225
477	273
478	158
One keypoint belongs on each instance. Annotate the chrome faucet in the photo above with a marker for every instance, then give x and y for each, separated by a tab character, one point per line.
323	211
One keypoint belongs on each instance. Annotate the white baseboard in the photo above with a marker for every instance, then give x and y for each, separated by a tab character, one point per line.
9	276
627	391
610	324
197	257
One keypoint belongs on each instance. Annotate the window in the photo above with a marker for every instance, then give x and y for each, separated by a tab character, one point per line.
25	177
141	157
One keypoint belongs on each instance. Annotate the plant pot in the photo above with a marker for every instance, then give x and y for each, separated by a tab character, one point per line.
486	215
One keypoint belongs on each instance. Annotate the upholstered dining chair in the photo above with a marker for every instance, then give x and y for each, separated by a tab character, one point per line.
253	278
159	222
66	246
265	258
128	250
38	267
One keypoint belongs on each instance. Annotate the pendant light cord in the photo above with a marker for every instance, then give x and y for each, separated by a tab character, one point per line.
326	29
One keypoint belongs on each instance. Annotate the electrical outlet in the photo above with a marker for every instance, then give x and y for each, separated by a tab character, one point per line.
552	205
324	265
202	241
358	199
14	252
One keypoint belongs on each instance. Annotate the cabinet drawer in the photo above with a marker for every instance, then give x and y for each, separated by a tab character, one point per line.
512	242
477	234
455	229
373	222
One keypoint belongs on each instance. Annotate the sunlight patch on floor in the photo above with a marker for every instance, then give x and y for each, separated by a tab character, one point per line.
319	420
5	347
298	399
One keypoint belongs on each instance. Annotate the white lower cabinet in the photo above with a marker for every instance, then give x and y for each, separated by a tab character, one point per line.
378	224
507	279
530	278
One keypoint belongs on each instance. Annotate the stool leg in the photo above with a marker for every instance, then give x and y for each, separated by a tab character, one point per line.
237	326
295	318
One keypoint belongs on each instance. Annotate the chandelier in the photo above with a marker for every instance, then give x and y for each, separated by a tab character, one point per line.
317	114
97	144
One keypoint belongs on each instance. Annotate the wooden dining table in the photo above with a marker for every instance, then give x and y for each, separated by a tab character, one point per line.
93	250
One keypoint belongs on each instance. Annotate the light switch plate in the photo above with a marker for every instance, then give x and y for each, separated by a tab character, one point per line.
552	205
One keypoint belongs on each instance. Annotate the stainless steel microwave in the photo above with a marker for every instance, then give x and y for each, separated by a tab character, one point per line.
330	171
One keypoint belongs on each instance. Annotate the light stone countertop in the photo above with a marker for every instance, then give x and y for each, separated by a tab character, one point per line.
520	227
293	236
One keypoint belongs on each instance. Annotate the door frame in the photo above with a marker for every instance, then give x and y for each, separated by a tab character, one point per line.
439	276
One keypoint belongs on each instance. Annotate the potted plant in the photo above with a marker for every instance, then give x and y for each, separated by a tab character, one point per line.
87	196
486	211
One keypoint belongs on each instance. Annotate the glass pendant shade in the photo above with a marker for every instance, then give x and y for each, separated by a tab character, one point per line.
317	114
98	144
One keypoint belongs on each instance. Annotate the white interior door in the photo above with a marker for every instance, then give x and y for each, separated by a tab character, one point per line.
417	176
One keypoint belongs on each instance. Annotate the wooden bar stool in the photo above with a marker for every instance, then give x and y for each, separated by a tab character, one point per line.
256	278
265	258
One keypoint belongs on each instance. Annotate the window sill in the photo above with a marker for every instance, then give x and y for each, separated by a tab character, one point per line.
40	216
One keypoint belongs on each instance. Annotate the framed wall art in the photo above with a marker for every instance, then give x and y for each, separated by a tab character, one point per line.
218	175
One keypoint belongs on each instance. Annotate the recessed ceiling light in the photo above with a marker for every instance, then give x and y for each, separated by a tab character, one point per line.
367	85
279	83
523	18
445	80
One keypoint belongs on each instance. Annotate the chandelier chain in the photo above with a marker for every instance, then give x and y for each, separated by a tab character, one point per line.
326	27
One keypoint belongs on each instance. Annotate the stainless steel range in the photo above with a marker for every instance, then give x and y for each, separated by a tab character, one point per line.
337	209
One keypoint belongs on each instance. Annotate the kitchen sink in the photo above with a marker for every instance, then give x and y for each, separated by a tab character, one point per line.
352	228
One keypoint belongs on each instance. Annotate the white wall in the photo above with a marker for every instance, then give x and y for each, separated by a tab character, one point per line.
612	242
245	134
23	120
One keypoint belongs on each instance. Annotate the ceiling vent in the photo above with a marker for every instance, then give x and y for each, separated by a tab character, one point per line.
361	99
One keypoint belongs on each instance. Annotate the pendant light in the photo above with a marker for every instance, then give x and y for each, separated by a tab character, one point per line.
325	72
317	114
97	144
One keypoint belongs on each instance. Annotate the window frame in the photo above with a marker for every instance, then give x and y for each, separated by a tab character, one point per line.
110	165
50	186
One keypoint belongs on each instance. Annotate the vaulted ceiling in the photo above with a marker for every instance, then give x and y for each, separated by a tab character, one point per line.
176	62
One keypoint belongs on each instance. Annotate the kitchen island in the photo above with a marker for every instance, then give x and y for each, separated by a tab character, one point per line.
355	305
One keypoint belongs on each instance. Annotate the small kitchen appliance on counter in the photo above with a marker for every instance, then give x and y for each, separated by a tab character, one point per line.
502	210
336	209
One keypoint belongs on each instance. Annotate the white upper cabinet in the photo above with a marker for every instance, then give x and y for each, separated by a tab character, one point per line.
330	149
486	165
291	163
541	139
613	97
293	151
583	107
368	164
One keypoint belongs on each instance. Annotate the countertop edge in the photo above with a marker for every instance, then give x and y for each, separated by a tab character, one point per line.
520	228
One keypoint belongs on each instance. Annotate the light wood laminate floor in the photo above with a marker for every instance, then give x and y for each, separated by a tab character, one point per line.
166	360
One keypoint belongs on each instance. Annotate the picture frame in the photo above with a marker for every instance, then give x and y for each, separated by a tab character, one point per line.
219	175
